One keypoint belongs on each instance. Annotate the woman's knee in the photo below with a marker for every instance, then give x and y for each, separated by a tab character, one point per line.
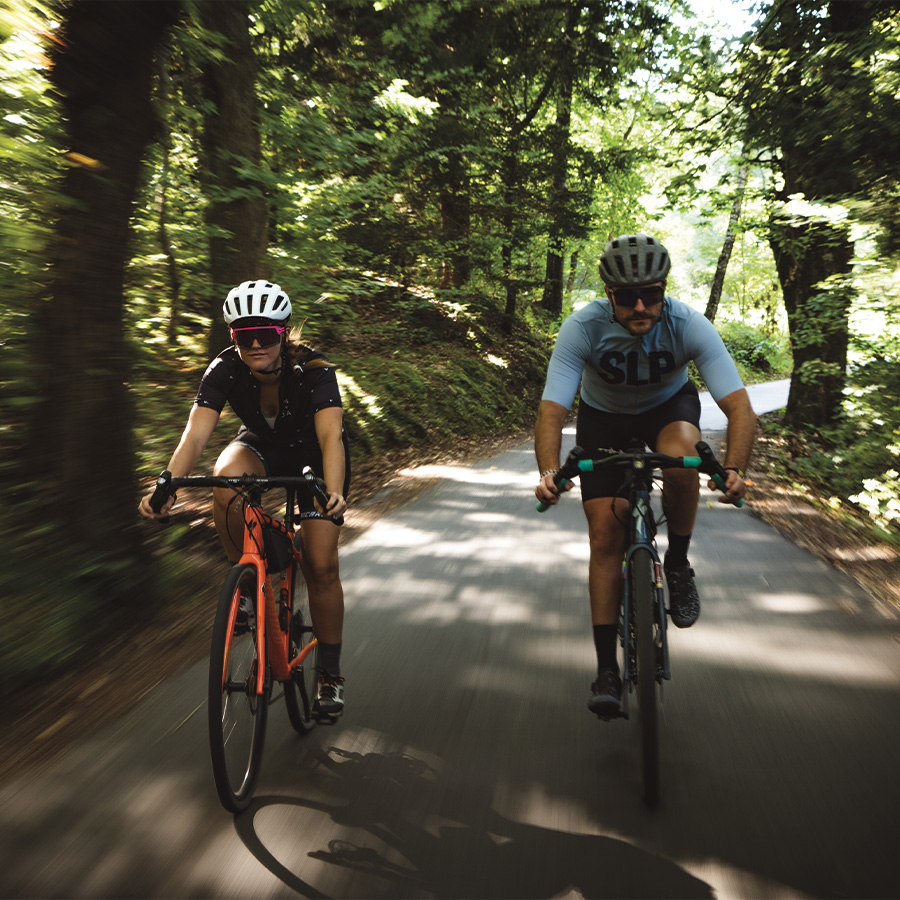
234	460
322	572
237	459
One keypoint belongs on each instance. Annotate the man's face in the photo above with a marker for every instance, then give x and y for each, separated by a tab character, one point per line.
637	308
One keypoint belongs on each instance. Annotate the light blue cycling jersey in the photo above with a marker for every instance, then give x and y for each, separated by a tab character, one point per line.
623	373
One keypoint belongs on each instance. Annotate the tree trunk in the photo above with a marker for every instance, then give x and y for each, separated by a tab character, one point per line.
162	233
80	439
554	278
812	260
573	271
456	221
162	228
715	293
236	209
510	282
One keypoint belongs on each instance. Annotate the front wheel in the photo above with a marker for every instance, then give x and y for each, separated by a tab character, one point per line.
644	599
237	712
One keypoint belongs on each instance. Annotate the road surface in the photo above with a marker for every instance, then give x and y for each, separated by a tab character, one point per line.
467	764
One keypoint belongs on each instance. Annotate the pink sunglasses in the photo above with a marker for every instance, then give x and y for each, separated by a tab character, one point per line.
264	335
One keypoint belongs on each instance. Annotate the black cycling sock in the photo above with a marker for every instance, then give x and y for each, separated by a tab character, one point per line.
605	645
330	658
676	555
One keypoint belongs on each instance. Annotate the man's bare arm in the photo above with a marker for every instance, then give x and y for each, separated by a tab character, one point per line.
741	428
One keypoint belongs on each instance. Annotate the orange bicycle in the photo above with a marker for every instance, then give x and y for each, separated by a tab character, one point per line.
258	638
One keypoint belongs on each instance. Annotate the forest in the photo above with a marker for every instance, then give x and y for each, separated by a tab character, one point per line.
431	181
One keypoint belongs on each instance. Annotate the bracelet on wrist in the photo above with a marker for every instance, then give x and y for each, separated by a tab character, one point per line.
549	472
735	469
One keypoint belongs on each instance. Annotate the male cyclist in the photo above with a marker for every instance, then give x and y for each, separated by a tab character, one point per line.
630	352
287	398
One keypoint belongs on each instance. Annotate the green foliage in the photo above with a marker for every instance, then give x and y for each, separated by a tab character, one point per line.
857	460
759	357
401	139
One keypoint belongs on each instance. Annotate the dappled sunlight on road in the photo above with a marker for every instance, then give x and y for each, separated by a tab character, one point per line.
791	603
828	660
473	604
484	476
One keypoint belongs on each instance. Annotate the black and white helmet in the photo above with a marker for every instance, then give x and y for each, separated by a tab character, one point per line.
260	299
634	259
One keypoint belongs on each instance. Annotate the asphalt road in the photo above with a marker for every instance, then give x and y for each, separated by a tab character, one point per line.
467	764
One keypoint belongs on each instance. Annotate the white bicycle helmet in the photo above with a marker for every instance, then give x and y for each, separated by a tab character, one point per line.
259	299
634	259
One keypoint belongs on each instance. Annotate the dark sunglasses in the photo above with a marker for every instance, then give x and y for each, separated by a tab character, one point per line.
628	297
264	335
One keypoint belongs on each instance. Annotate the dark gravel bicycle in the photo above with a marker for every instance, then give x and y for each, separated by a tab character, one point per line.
642	616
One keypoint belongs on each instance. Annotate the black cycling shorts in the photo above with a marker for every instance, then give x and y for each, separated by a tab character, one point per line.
282	461
596	429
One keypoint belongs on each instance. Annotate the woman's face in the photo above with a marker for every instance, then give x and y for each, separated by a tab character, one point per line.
255	349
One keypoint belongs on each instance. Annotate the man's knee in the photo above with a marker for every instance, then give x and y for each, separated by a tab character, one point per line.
606	531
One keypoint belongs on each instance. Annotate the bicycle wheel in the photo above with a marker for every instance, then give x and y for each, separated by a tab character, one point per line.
300	691
237	713
643	593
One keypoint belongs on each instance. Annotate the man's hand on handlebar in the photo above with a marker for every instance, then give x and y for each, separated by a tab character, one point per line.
735	488
548	492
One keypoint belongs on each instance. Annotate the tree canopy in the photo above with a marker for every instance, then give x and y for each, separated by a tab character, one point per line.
432	182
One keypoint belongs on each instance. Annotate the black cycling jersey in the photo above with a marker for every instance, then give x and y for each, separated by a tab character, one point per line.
301	394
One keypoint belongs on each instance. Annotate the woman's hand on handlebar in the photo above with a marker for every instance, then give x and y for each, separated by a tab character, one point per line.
337	505
164	513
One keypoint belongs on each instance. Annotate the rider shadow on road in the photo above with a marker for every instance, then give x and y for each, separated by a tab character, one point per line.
415	833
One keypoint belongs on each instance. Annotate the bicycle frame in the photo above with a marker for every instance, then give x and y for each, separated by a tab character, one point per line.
255	522
271	634
641	526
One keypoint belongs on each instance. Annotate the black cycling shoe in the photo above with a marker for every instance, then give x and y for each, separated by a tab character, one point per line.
684	601
606	695
329	703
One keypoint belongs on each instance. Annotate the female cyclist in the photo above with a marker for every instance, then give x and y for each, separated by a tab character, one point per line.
287	397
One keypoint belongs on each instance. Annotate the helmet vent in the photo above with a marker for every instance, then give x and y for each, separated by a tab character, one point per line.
261	299
634	259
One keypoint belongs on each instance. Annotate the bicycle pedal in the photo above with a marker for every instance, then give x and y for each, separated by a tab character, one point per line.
326	720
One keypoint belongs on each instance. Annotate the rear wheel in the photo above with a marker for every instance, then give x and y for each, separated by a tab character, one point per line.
237	713
300	691
644	599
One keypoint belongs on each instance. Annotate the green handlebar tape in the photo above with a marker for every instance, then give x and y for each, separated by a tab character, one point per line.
692	462
720	484
586	465
543	507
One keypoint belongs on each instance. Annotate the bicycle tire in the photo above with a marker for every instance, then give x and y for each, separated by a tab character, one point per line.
300	690
644	599
237	714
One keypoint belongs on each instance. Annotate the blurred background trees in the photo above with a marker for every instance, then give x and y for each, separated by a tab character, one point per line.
432	183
